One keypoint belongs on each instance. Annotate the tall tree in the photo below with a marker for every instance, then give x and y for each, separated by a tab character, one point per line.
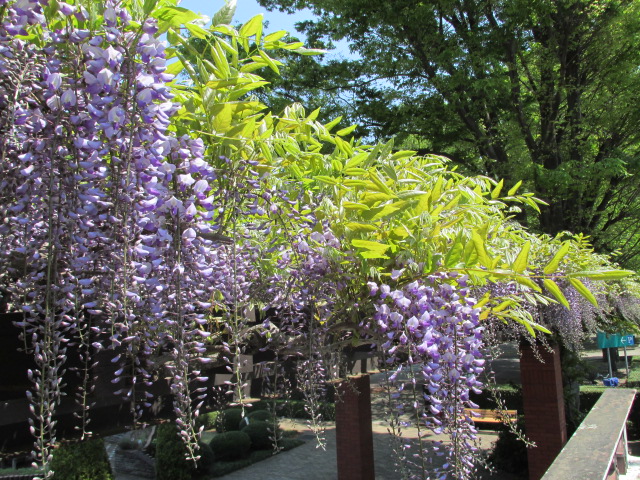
544	90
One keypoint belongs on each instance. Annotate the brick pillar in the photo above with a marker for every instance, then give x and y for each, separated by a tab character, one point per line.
354	436
543	401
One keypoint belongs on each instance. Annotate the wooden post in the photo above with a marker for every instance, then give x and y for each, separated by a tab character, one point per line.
354	435
543	400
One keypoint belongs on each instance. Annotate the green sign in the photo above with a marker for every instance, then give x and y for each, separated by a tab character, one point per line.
612	340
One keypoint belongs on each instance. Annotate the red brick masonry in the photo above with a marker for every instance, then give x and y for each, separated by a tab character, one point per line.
543	407
354	436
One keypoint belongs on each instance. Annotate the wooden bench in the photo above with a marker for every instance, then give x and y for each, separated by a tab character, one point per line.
485	415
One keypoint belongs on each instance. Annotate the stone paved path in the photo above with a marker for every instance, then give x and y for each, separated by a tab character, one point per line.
128	464
308	462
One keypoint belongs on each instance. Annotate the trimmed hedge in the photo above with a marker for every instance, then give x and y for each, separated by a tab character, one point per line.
208	420
509	452
260	434
230	445
207	458
229	420
261	416
171	463
81	461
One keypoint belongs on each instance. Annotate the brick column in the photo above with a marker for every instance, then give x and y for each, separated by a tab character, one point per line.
354	436
543	407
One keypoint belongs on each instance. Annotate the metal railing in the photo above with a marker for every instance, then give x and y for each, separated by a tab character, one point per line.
598	448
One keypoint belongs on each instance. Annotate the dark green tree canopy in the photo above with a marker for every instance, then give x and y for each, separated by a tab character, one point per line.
543	90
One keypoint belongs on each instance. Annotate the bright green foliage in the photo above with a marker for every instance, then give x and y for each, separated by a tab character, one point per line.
86	460
230	445
543	91
171	461
388	206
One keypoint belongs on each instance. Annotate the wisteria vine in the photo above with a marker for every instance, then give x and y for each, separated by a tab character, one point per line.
432	325
105	212
119	234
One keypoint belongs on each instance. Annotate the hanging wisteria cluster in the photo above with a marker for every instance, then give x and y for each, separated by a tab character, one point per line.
105	213
432	327
573	325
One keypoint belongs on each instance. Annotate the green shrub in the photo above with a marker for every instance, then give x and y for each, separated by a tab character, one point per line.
171	462
229	420
207	457
511	395
260	434
81	461
261	416
230	445
509	452
208	420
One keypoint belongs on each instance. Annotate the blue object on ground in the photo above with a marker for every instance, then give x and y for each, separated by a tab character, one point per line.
611	382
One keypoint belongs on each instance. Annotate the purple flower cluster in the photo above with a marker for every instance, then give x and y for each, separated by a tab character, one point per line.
433	326
104	211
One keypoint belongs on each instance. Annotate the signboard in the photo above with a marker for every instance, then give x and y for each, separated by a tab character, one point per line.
613	340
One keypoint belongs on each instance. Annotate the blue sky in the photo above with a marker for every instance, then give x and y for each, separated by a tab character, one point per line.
246	9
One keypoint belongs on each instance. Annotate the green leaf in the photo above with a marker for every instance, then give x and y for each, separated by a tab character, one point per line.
355	206
478	243
583	290
309	51
355	171
504	305
374	197
174	68
225	14
197	31
148	6
515	188
350	182
356	160
603	274
370	246
496	191
346	131
174	17
386	210
360	227
273	64
292	45
332	123
522	260
368	254
403	154
252	27
455	254
526	281
223	116
326	179
552	266
555	290
379	182
275	36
